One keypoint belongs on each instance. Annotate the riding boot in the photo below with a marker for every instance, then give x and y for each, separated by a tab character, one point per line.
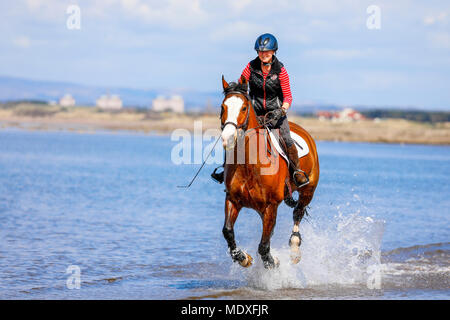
298	175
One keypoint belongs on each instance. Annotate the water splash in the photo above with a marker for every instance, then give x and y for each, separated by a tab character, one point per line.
342	251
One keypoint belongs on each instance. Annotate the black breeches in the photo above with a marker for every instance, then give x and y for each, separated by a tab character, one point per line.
285	132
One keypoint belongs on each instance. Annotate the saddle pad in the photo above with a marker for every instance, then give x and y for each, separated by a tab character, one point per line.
300	143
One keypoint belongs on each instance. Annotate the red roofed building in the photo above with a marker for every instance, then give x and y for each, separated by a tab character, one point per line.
345	115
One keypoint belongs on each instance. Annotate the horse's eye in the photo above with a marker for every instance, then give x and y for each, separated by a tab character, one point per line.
244	108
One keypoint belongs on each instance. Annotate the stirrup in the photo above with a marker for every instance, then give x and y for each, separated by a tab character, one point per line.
217	177
298	171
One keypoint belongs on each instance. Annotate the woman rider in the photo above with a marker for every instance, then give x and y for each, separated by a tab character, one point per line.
270	92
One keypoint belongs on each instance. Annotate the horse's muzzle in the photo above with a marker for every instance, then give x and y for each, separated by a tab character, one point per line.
229	137
229	143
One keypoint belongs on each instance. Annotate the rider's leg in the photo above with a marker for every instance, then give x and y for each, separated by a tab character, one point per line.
292	152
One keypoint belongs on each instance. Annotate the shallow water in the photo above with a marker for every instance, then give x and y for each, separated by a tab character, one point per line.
107	203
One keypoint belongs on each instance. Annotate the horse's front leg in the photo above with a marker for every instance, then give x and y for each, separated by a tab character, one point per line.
231	214
269	217
296	240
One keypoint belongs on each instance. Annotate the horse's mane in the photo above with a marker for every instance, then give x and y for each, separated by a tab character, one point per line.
236	86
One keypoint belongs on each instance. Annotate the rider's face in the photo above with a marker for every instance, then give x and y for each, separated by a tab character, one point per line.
266	56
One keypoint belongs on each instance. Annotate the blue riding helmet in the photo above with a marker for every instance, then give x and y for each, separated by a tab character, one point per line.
266	42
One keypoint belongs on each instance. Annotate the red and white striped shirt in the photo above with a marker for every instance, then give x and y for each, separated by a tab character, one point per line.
284	82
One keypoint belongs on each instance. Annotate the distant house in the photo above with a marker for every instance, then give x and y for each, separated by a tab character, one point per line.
174	104
325	115
67	101
345	115
112	102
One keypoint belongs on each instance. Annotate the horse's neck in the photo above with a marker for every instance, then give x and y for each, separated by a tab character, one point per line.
254	136
252	119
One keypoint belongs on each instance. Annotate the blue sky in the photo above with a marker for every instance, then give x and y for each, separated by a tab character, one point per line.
330	54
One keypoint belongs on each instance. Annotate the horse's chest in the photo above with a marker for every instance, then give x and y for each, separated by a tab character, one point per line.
247	190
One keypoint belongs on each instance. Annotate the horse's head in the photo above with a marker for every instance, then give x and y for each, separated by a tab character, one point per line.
235	111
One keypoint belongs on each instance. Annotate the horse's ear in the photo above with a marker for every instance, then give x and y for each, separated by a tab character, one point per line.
243	80
224	83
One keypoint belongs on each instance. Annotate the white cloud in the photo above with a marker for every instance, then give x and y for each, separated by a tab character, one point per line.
241	29
240	5
339	54
175	13
22	42
47	10
441	18
440	40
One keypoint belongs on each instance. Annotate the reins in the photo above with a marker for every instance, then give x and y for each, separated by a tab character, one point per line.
264	122
241	126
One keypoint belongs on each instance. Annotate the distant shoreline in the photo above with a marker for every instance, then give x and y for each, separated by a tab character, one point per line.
90	120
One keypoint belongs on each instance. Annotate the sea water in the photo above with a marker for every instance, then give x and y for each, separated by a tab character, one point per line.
99	216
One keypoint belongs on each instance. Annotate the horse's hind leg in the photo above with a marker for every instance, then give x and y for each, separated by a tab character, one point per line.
231	214
295	240
269	217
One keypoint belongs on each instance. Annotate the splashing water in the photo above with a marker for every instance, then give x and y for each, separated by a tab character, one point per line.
343	251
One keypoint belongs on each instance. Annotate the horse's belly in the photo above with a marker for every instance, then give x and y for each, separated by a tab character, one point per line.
256	196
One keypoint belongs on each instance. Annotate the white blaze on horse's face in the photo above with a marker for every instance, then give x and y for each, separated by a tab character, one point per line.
234	105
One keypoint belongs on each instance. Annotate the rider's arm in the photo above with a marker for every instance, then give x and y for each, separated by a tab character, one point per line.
286	89
246	72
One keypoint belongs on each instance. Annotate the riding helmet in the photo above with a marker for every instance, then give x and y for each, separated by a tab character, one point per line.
266	42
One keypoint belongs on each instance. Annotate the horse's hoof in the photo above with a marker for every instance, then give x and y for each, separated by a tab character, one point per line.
247	262
276	262
294	243
296	256
271	264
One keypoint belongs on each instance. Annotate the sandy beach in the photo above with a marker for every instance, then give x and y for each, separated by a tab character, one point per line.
90	120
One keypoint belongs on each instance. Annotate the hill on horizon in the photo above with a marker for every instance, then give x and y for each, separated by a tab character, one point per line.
16	88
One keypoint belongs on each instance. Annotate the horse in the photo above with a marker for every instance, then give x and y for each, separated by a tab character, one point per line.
251	183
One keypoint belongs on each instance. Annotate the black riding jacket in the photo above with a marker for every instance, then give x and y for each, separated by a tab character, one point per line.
266	94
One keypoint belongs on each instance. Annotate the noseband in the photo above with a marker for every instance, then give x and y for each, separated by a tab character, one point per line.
244	125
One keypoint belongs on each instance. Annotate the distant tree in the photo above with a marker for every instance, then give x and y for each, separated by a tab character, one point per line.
413	115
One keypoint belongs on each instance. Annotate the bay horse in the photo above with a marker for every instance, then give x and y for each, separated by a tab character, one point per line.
246	185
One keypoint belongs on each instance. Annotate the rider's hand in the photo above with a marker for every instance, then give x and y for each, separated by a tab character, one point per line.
278	113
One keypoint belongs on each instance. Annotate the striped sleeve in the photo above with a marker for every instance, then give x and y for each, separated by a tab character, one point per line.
246	72
285	86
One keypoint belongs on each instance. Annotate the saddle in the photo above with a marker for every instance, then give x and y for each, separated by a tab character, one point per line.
277	141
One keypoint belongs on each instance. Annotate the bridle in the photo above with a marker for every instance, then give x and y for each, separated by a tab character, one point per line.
244	125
